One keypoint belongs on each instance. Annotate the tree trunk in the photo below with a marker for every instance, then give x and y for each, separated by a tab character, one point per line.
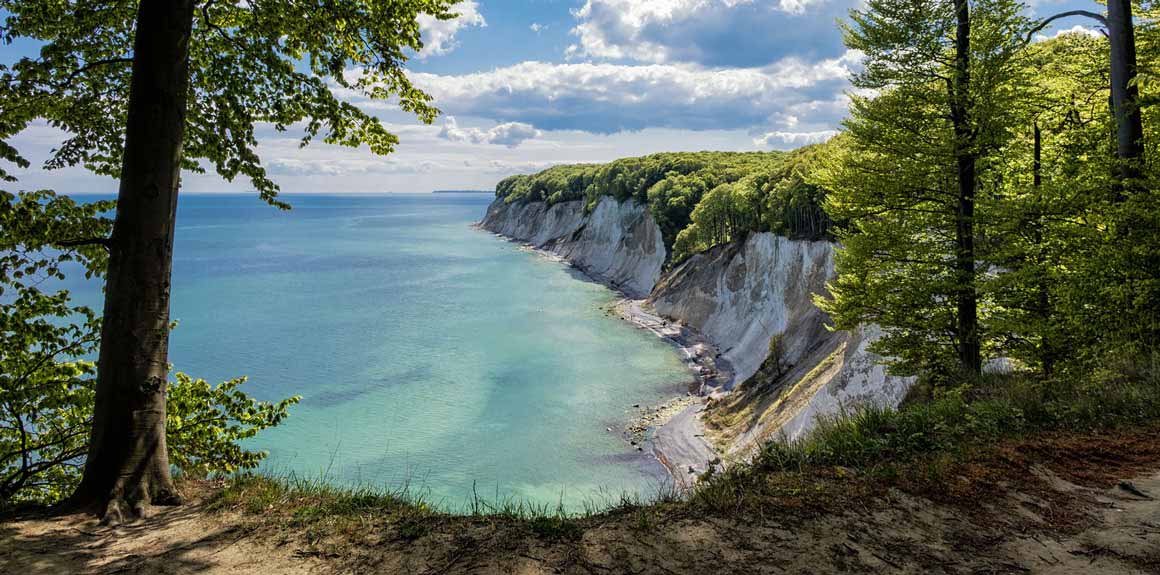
966	299
1043	294
1125	94
128	464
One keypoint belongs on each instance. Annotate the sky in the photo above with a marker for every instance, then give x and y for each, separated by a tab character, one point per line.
526	85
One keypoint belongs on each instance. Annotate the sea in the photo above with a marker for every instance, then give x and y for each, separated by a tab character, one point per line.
432	357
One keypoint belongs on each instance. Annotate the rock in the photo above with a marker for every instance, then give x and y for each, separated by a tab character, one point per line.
1131	488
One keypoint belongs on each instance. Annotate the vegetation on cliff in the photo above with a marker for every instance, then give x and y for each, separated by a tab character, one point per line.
1037	250
698	199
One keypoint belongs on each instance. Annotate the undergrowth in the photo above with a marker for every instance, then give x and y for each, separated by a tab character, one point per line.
926	437
921	441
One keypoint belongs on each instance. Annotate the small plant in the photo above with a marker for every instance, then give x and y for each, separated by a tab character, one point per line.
412	528
555	527
776	361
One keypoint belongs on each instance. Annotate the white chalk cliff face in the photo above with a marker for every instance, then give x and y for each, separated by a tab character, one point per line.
618	243
737	296
741	295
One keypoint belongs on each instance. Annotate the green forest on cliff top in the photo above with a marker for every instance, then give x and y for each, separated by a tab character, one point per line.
1062	270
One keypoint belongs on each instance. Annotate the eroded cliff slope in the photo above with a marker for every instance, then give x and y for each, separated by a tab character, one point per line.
738	297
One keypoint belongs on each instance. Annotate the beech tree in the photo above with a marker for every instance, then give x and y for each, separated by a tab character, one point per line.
1125	92
907	181
146	89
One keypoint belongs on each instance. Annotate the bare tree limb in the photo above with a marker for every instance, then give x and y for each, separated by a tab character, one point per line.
1043	23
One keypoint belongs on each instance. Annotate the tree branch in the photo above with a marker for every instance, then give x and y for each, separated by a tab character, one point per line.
104	242
1043	23
89	66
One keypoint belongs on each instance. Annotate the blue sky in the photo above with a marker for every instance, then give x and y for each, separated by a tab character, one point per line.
525	85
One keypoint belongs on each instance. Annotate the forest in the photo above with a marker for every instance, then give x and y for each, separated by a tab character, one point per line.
698	199
1060	239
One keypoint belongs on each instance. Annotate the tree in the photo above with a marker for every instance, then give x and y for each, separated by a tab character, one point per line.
46	384
907	179
146	89
1125	97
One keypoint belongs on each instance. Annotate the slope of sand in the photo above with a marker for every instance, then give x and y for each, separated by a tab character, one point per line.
1059	505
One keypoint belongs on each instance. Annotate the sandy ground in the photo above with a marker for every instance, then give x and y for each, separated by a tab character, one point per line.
1061	505
1121	536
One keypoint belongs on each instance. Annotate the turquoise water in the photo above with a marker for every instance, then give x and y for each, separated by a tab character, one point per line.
427	353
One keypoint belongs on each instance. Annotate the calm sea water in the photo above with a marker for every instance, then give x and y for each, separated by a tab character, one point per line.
427	353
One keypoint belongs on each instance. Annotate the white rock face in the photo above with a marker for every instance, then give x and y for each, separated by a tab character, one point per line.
740	296
737	296
855	377
618	243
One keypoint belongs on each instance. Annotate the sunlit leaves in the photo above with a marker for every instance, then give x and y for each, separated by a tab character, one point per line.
287	64
204	425
45	385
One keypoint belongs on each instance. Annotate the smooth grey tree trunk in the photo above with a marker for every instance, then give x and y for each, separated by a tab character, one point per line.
1125	94
128	465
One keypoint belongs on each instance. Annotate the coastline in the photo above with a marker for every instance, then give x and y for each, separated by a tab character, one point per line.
678	440
675	438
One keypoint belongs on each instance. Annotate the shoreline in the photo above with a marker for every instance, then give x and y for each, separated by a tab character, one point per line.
678	441
675	438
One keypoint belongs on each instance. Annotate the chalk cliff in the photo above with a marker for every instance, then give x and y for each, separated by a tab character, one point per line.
737	296
618	243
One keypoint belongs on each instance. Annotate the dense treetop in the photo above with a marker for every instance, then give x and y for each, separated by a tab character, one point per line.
699	199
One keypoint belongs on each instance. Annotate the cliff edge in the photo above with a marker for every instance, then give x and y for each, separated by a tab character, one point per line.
738	297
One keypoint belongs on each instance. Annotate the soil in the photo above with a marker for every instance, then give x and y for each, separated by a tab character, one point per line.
1057	503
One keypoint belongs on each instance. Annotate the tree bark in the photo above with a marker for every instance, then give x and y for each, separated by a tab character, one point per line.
127	467
1125	94
966	300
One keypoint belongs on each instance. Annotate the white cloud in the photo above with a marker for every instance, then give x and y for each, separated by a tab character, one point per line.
707	31
537	27
778	139
439	35
1077	29
607	98
510	134
423	161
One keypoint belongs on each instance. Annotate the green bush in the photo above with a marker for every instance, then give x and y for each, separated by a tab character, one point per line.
204	423
999	406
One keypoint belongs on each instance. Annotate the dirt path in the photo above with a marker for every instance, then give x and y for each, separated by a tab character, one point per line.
175	540
1055	506
1124	536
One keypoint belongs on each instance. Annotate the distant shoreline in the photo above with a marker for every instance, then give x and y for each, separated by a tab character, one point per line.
678	439
462	192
